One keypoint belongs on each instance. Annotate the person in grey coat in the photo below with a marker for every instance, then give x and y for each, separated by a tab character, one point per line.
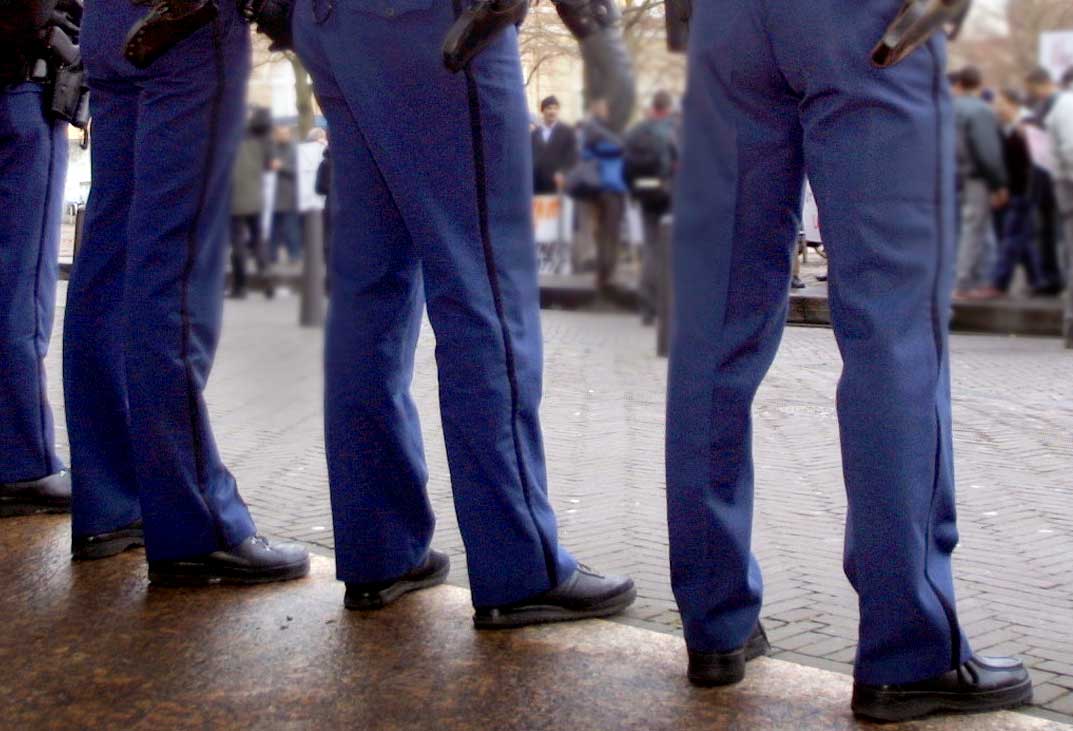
255	157
982	183
286	224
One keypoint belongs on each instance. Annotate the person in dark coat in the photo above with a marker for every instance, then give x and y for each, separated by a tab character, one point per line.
1017	226
554	149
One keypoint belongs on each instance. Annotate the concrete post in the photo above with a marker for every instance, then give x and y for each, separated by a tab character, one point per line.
665	293
312	308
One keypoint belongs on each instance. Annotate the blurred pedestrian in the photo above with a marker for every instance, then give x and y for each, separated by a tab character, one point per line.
255	158
554	149
1041	95
650	156
607	207
982	184
144	308
286	222
1056	114
1016	219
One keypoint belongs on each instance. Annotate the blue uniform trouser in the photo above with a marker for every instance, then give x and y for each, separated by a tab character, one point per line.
431	205
33	161
145	297
778	89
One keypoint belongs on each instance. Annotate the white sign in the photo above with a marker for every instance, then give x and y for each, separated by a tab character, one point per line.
310	155
810	217
1056	52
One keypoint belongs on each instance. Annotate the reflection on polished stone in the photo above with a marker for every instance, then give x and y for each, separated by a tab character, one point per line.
94	646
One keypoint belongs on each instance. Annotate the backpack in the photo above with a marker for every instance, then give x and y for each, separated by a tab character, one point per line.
648	159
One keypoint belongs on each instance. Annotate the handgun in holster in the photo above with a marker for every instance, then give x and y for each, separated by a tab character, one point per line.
477	27
69	97
916	22
50	56
169	22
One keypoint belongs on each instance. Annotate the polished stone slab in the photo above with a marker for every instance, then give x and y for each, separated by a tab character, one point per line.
93	646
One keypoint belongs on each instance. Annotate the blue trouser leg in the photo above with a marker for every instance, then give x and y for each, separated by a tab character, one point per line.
383	520
761	75
155	235
733	242
104	484
1018	244
460	210
33	161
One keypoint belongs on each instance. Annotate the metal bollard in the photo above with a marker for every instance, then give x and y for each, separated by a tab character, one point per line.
664	294
312	308
80	221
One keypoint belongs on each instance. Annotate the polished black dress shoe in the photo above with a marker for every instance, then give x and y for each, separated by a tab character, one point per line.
430	572
585	595
712	669
104	545
981	684
51	494
254	561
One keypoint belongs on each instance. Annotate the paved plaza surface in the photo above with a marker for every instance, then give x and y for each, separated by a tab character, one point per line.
603	420
289	658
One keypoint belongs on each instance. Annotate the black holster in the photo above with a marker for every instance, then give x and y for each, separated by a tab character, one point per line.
477	27
586	17
916	22
273	19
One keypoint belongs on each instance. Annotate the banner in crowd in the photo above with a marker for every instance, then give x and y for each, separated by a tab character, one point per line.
810	217
310	155
1056	51
553	228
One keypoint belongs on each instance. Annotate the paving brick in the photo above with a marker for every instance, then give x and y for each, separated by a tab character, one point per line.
1044	694
603	417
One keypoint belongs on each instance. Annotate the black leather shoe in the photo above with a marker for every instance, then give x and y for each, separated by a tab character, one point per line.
254	561
50	494
712	669
981	684
585	595
104	545
431	572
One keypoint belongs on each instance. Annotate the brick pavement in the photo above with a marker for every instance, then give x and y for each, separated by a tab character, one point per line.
603	418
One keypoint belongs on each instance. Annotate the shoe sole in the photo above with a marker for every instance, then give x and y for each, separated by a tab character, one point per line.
548	614
198	575
384	597
734	674
20	509
109	547
893	706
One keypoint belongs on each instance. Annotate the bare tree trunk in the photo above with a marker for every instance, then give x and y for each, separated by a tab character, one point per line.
303	94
